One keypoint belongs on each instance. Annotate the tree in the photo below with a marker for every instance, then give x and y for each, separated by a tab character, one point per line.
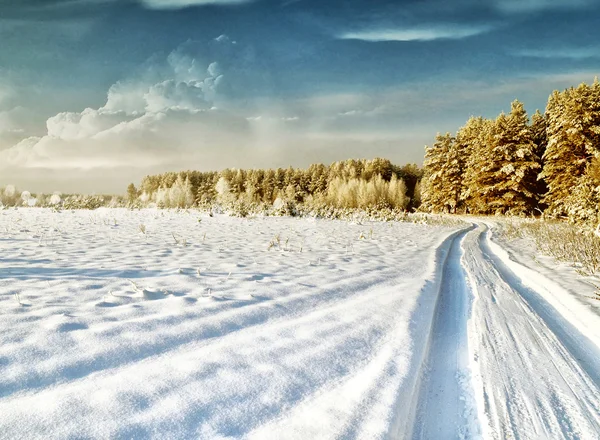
512	172
442	175
502	165
474	139
539	124
573	144
132	193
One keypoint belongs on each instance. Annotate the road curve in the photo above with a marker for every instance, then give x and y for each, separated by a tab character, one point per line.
501	362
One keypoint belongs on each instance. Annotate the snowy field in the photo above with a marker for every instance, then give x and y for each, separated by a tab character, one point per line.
176	325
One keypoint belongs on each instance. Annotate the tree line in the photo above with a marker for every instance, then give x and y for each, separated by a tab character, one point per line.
516	165
359	184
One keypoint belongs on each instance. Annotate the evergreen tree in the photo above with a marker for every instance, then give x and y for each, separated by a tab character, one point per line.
440	190
573	144
539	136
474	140
515	165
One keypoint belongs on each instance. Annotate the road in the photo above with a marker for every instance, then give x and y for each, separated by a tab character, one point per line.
502	363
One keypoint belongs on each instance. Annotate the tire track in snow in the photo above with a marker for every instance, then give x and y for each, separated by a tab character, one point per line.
445	408
537	377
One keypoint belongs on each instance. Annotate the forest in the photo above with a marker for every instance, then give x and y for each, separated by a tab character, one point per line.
548	165
353	184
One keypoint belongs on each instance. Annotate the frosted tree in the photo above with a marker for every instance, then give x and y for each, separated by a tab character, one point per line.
474	139
132	193
573	144
511	175
440	189
539	124
55	199
224	194
397	193
162	197
181	194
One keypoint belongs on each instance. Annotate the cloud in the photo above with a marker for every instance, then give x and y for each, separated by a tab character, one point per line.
524	6
437	32
179	4
163	114
171	137
574	53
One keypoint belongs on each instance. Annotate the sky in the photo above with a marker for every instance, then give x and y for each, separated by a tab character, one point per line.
95	94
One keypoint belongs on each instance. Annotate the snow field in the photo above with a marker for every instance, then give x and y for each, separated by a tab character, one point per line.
152	324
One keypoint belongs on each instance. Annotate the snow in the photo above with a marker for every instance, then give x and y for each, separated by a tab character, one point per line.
538	375
255	328
175	324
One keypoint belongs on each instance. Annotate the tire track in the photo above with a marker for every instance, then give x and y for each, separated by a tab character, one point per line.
539	379
443	409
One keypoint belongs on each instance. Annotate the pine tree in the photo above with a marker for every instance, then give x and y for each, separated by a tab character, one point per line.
539	125
516	163
573	143
434	189
472	140
503	166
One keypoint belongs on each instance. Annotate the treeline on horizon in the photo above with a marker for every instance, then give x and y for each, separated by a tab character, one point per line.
354	184
512	165
516	166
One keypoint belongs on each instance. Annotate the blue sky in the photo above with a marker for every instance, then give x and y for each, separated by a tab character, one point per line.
97	93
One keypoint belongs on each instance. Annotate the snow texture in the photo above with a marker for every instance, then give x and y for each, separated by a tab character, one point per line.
175	325
212	329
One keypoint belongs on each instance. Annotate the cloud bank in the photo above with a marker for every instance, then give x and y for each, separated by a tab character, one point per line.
167	111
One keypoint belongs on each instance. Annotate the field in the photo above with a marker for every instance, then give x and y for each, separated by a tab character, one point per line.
176	324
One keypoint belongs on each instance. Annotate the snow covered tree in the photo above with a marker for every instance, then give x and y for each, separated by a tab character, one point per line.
573	144
181	194
516	165
443	168
474	138
539	124
224	194
132	193
503	166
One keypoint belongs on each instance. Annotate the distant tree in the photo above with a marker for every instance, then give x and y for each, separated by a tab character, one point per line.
132	193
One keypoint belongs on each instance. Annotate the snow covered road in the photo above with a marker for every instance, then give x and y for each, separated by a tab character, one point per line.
538	375
171	325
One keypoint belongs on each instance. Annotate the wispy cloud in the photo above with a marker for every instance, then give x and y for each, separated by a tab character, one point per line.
576	53
523	6
179	4
449	32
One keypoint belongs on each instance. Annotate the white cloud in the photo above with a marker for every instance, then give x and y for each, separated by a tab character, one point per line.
523	6
449	32
70	126
171	94
147	141
164	113
179	4
575	53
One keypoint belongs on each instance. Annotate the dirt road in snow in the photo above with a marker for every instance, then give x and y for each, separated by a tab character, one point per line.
502	362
